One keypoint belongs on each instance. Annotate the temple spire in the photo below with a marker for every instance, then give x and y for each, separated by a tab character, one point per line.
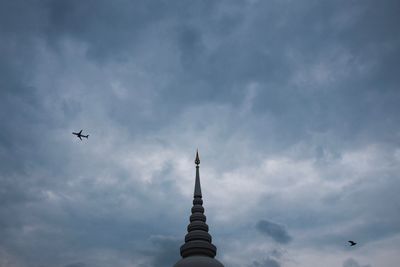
198	250
197	160
197	186
198	240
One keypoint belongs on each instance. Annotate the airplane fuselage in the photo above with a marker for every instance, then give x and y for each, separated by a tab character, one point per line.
80	135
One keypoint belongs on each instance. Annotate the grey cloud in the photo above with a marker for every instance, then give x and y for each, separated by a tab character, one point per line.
374	212
228	66
191	46
274	230
107	30
269	262
114	32
147	77
353	263
167	251
76	264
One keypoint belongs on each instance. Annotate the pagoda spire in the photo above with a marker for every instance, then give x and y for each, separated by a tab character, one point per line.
197	187
198	240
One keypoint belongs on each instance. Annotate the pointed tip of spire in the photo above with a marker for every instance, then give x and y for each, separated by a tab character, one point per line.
197	160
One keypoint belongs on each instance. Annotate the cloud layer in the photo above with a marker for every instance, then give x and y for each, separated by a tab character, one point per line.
292	104
276	231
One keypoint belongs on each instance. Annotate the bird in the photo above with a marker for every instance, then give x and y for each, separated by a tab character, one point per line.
352	243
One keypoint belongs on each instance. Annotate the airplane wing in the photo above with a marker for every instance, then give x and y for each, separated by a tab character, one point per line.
80	131
80	137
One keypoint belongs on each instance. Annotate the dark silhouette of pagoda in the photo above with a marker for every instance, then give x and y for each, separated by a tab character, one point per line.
198	251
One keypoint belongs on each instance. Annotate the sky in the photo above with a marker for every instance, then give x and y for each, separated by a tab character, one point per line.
293	106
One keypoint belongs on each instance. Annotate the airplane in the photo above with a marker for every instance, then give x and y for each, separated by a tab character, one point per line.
80	135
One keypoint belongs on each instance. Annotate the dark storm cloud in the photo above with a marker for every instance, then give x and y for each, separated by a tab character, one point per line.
191	46
274	230
228	67
108	30
112	32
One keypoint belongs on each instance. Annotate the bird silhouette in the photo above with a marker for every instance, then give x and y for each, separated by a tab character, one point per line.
352	243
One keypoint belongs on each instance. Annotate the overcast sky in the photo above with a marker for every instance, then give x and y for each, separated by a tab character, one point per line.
293	105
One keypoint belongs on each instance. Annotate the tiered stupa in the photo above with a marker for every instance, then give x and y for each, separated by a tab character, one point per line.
198	251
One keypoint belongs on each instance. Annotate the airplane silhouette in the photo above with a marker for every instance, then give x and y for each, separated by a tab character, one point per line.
80	135
352	243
